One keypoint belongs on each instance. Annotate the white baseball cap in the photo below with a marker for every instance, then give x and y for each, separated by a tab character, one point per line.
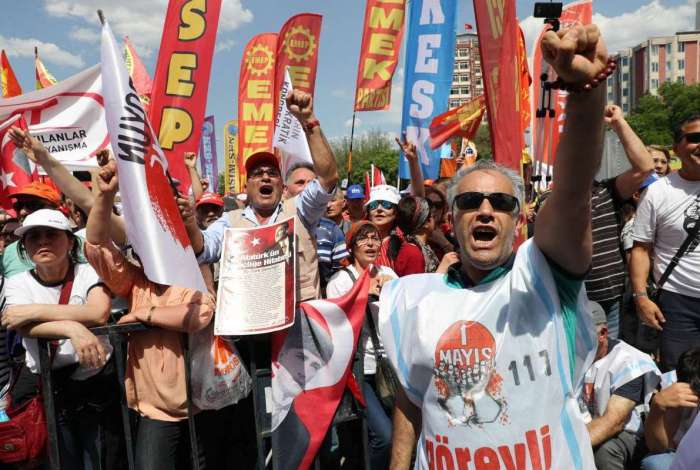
44	218
384	192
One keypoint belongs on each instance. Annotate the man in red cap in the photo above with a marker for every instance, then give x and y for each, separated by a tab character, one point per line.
208	208
264	187
28	199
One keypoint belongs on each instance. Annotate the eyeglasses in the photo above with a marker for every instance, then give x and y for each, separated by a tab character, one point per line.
692	137
259	172
386	205
472	200
364	241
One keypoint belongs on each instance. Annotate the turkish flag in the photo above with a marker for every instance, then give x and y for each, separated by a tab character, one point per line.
312	366
16	170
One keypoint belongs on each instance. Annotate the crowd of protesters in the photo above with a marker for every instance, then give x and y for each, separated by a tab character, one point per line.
599	303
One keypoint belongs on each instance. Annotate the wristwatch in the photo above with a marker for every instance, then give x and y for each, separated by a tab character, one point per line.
636	295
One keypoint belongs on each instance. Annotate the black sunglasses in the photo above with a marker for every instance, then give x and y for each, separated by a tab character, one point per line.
692	137
30	206
471	200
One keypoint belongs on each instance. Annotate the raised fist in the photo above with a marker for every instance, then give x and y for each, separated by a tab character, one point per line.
190	159
613	114
577	54
107	181
301	105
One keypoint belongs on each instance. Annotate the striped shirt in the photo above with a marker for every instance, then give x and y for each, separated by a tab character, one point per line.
606	280
331	249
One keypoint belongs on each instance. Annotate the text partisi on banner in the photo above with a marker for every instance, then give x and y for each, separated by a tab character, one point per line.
256	119
181	81
231	157
379	54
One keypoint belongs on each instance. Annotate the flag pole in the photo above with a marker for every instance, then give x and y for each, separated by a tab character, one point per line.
101	16
352	136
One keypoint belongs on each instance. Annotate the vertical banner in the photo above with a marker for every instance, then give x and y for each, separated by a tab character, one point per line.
290	138
207	154
379	53
181	81
138	73
430	51
297	52
256	95
231	157
497	27
546	129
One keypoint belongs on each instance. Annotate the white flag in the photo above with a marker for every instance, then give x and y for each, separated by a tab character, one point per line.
153	222
289	139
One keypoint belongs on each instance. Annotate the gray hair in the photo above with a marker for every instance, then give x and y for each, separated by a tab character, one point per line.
296	166
488	165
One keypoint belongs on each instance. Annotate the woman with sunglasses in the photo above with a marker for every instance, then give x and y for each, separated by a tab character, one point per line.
364	243
59	298
381	208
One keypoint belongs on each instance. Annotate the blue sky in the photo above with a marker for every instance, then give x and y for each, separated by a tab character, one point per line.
67	33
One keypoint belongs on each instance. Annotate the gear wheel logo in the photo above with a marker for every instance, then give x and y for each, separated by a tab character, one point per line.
299	43
259	60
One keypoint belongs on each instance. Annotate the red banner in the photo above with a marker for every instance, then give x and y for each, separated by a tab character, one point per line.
497	27
256	94
297	50
8	80
138	73
181	81
463	121
379	53
15	170
545	128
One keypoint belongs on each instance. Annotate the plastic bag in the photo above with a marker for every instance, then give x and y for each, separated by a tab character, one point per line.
219	377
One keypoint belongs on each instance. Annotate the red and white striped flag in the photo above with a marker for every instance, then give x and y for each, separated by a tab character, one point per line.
15	168
153	222
43	76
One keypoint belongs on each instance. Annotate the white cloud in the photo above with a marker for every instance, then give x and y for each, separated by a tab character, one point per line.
224	45
48	51
141	20
630	28
358	123
91	35
341	93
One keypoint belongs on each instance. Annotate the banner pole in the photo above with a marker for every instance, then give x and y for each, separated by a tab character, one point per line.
352	136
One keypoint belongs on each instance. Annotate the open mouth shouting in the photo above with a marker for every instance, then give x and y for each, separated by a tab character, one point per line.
483	236
266	190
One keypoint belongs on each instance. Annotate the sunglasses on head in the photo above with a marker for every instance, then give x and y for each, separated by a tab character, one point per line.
472	200
375	204
692	137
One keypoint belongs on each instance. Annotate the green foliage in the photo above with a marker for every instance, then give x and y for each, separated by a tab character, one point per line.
372	147
655	117
482	140
221	183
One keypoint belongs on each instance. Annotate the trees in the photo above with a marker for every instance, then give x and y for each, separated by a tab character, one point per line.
655	117
371	147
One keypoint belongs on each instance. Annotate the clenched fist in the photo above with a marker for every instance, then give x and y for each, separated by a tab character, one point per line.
301	105
578	55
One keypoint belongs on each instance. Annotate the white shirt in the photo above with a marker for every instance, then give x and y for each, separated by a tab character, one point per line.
24	288
667	209
340	284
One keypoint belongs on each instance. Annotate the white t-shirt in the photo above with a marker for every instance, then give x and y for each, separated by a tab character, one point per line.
340	284
24	288
490	366
667	209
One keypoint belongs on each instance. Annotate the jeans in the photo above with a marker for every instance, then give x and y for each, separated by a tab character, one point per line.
379	427
612	313
658	461
620	452
79	440
682	328
165	445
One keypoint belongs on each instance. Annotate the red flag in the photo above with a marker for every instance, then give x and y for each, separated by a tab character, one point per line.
524	82
8	81
297	50
181	81
377	176
306	392
256	116
43	77
497	27
15	169
463	121
368	186
468	26
138	73
379	53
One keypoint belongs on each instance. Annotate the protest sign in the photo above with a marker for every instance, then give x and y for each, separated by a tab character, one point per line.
68	118
290	138
257	277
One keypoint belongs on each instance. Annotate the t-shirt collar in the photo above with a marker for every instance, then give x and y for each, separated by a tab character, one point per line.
249	214
457	278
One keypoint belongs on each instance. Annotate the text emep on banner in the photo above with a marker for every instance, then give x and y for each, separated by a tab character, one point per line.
181	81
429	62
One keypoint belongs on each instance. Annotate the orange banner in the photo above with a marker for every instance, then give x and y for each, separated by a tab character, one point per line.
379	53
8	80
256	94
181	81
497	27
43	77
297	50
463	121
525	82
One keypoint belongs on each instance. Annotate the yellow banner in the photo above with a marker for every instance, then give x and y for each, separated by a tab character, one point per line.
231	173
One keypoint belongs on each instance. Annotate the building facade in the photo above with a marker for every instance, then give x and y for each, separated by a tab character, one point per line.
466	78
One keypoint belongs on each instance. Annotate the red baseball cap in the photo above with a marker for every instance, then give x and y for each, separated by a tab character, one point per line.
210	198
40	190
260	158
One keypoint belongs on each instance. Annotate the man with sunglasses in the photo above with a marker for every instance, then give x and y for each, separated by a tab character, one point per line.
28	199
264	187
491	356
667	218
